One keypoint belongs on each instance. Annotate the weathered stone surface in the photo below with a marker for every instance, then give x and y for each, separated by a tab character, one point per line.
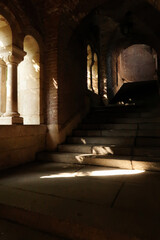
137	64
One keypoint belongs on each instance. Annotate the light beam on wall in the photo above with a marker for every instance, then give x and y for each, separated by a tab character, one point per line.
36	66
2	45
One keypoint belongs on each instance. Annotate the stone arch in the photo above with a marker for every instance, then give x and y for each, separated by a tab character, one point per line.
5	33
15	24
14	47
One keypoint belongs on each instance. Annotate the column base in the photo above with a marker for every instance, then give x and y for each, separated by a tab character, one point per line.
11	114
11	120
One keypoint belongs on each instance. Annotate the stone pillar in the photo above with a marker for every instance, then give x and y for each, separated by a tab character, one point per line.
3	72
12	56
11	104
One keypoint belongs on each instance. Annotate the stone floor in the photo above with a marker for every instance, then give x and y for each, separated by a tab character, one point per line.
12	231
42	201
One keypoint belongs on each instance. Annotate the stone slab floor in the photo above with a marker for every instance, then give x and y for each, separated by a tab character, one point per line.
12	231
66	201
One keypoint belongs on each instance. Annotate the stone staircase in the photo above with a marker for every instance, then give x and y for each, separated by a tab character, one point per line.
114	136
62	201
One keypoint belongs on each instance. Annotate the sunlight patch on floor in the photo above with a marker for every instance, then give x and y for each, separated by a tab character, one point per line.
103	173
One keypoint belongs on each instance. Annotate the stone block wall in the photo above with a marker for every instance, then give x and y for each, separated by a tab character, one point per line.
19	144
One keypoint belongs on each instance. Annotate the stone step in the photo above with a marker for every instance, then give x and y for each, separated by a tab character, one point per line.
148	141
151	126
120	114
106	115
124	108
110	150
94	126
120	109
149	114
122	120
95	149
117	133
91	159
105	133
146	151
116	161
121	141
148	133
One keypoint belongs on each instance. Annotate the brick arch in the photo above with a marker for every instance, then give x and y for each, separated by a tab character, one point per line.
17	33
19	19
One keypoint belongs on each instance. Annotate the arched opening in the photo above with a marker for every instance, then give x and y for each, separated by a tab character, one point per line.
89	67
92	70
5	45
29	82
136	74
5	34
95	73
137	63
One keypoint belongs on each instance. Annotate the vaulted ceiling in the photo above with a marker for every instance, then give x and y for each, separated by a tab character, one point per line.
37	11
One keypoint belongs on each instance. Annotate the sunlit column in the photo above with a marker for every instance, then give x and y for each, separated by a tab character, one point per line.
2	86
95	74
11	104
89	67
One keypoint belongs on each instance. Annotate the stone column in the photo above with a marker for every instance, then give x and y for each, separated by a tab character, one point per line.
3	72
12	56
11	104
11	116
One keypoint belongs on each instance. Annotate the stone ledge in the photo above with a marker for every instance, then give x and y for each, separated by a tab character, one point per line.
11	120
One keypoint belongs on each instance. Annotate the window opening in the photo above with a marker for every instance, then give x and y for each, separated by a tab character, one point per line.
29	82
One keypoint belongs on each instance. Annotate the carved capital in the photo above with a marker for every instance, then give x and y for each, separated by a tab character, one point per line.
2	63
11	59
13	54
